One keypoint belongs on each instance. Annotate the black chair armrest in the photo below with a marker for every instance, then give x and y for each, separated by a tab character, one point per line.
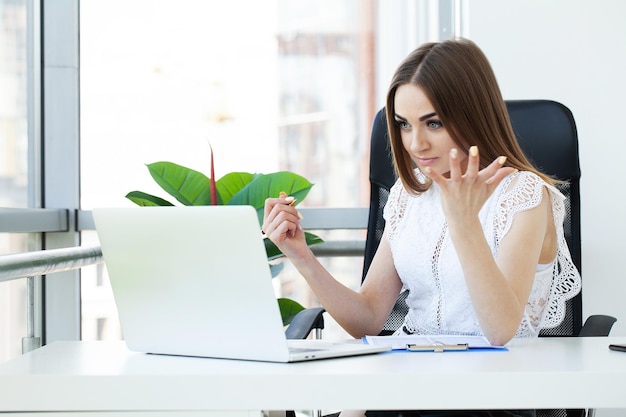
597	325
304	322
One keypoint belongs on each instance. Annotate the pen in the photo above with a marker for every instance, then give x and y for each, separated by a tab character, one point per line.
290	200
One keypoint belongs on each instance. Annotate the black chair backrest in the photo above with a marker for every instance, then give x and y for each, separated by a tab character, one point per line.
547	133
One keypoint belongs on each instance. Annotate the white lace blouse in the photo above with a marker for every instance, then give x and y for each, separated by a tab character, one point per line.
426	261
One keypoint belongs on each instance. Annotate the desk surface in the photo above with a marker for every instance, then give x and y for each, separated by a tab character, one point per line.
538	373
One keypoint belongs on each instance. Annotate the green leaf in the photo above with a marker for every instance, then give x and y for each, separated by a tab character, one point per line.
312	239
230	184
288	309
272	250
190	187
263	186
270	185
146	200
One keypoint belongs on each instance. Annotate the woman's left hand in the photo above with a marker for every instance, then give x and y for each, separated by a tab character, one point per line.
464	194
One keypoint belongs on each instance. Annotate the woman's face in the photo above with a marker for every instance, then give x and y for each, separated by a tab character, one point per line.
423	135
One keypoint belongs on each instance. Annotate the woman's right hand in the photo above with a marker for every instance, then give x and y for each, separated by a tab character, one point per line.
281	224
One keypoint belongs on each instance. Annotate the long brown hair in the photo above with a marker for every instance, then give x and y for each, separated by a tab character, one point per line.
458	80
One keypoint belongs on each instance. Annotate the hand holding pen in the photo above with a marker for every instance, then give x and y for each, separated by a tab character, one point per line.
281	224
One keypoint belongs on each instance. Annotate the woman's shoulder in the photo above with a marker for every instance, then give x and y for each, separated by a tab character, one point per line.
528	178
397	197
521	191
526	185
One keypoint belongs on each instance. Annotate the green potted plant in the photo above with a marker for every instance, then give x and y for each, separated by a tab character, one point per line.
192	188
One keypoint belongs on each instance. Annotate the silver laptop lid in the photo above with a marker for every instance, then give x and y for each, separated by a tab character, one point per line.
192	281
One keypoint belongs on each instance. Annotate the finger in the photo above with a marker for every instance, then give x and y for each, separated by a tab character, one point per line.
492	168
267	211
271	202
287	228
435	176
455	165
287	198
271	210
473	164
278	221
286	211
500	174
500	171
282	229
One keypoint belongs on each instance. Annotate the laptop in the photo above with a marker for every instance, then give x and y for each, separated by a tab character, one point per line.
195	281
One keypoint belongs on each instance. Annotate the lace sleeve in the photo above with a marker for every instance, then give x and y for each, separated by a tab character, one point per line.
523	191
394	210
523	195
566	281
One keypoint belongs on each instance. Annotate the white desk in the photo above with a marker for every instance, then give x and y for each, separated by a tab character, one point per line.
105	376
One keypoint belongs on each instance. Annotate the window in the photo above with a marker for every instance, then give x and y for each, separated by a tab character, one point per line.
13	108
13	163
279	87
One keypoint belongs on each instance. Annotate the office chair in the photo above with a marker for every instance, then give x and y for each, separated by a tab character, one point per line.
552	145
547	133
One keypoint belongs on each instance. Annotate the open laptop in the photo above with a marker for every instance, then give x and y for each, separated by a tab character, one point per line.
195	281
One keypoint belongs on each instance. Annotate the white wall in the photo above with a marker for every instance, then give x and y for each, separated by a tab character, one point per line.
574	52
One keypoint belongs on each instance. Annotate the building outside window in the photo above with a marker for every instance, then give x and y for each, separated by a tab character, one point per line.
13	163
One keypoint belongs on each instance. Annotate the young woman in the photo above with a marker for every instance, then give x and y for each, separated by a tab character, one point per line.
473	230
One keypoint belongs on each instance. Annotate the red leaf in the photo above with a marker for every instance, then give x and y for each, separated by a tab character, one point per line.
212	180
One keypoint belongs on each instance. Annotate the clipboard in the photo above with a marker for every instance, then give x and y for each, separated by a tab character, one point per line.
432	343
412	347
